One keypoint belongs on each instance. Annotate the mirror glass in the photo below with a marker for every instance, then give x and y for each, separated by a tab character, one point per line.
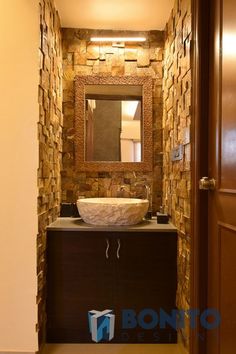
113	129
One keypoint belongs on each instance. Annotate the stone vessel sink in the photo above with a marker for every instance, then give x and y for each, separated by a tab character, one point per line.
112	211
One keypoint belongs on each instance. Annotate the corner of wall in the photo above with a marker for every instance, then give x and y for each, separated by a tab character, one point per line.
50	139
176	132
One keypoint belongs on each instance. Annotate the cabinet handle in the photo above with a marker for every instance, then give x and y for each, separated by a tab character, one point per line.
118	249
107	248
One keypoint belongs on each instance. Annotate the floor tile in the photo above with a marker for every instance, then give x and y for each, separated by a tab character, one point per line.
113	349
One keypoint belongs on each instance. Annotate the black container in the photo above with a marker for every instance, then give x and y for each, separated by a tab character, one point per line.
162	218
75	212
148	216
69	210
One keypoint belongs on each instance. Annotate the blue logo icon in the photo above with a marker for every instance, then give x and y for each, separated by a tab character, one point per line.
101	325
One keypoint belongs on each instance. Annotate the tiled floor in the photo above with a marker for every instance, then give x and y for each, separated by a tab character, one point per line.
113	349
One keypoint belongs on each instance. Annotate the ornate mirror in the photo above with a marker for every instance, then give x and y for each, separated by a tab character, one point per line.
113	123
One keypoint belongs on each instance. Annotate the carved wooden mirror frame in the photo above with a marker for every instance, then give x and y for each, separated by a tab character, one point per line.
94	166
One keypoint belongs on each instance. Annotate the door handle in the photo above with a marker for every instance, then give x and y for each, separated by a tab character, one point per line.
206	183
118	249
107	248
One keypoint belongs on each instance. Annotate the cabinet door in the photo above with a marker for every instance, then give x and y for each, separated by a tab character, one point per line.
79	279
145	267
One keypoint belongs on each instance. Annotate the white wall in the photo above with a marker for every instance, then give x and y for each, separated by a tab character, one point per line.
127	150
131	129
19	37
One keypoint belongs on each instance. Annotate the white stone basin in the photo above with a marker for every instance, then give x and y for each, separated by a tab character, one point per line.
112	211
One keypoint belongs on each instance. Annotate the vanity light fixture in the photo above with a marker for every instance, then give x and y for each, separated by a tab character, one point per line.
118	39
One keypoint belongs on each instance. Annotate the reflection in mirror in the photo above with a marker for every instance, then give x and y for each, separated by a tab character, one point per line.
113	123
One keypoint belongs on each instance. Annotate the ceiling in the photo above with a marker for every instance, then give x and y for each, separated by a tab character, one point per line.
135	15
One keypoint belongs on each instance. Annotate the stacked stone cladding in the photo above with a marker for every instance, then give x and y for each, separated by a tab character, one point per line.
176	131
82	57
50	139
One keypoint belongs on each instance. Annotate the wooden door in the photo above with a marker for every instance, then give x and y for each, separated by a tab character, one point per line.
222	167
79	279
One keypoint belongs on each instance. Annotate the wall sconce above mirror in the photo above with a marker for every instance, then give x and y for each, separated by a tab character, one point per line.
113	124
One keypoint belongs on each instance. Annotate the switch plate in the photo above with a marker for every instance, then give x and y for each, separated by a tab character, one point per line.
177	153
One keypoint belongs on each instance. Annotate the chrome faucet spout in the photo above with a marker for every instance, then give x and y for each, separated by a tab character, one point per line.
148	190
146	186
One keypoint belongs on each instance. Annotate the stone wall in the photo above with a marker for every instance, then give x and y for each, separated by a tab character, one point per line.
176	131
81	57
50	138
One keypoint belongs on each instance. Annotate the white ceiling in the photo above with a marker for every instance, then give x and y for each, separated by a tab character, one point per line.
136	15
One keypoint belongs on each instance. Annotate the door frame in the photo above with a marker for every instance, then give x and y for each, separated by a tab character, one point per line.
199	156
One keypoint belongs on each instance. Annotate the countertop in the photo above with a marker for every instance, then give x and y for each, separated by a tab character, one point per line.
77	224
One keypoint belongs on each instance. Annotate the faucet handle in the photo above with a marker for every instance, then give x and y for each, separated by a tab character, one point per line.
123	192
122	188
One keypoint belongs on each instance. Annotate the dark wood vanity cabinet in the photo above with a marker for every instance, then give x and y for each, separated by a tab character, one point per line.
99	270
79	279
